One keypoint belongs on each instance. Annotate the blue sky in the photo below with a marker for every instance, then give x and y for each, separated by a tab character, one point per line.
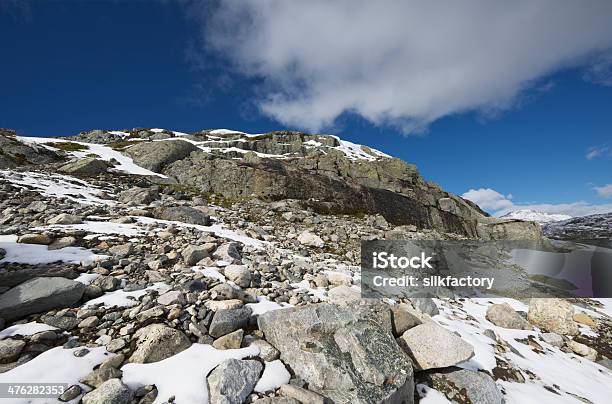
543	138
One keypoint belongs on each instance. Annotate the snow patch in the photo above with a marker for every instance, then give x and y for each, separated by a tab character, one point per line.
35	254
184	374
25	329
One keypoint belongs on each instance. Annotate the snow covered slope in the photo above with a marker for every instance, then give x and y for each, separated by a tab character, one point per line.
534	216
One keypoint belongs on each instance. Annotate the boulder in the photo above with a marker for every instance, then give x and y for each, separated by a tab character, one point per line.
344	353
582	350
466	386
430	346
192	254
233	380
155	156
301	395
86	166
183	214
10	350
552	315
503	315
157	342
112	391
310	239
141	196
229	341
403	319
65	218
229	320
39	295
238	274
35	238
553	339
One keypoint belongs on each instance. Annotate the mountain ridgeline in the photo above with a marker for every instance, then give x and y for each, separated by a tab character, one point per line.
322	172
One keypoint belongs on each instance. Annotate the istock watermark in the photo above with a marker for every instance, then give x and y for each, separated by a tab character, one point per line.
469	268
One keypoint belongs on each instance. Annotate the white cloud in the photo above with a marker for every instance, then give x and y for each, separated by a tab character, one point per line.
498	204
402	62
489	199
597	151
605	191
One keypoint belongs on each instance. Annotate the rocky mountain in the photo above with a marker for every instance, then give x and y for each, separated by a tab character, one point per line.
593	227
151	266
534	216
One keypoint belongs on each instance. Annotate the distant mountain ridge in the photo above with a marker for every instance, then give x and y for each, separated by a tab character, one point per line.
535	216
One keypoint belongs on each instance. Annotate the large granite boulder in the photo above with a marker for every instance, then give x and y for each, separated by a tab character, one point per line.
39	295
184	214
155	156
87	166
157	342
347	354
553	315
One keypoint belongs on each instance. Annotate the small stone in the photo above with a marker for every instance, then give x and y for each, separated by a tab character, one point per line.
172	297
266	351
233	380
338	279
157	342
583	350
112	391
229	341
192	254
116	345
216	305
100	375
71	393
310	239
300	394
89	322
79	353
553	339
503	315
585	319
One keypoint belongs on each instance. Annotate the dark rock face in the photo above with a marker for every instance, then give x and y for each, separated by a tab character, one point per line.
344	353
157	155
14	153
389	187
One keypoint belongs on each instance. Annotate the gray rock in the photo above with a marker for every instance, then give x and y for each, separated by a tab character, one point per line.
425	305
38	295
310	239
229	341
65	323
157	342
65	218
553	339
467	386
10	349
277	400
300	394
192	254
35	238
503	315
345	353
553	315
121	250
229	320
71	393
238	274
228	252
142	196
403	319
233	380
184	214
155	156
431	346
86	166
106	283
112	391
98	376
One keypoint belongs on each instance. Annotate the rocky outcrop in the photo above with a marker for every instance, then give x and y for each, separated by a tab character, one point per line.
157	155
88	166
344	353
14	153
